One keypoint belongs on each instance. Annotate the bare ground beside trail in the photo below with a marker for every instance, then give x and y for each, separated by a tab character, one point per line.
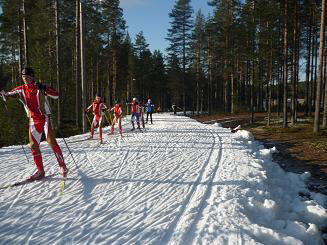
299	149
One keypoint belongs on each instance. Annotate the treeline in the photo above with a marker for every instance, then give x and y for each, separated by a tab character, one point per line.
249	56
245	56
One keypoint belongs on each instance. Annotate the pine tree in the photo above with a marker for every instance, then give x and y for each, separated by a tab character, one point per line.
320	73
198	44
180	36
113	16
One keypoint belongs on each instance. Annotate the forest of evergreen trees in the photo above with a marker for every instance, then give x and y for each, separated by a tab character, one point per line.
248	56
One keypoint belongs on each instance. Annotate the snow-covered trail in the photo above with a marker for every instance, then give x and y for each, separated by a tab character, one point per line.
178	182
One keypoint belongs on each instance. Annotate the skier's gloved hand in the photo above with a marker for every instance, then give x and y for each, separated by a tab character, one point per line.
85	111
41	86
2	93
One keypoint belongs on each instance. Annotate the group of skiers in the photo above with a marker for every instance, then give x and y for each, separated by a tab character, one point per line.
34	96
99	108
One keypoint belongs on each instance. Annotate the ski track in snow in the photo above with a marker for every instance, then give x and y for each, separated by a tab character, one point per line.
153	187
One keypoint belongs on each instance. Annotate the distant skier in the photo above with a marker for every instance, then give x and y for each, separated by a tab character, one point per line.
135	114
174	107
97	107
117	117
149	110
34	97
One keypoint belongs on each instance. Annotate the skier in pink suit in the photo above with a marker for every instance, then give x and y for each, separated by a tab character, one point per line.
117	119
34	97
97	107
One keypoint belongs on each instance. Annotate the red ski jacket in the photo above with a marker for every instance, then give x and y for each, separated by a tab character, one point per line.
35	101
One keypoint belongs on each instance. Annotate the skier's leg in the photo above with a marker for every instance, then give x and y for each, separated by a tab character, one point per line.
100	130
113	125
94	123
51	139
138	120
132	120
34	134
120	130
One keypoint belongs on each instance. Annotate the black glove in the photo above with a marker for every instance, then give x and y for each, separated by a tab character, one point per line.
85	111
41	86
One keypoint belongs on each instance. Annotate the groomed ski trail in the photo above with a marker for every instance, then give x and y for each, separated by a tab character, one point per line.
178	182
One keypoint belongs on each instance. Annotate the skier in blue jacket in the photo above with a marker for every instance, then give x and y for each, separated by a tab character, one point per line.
149	110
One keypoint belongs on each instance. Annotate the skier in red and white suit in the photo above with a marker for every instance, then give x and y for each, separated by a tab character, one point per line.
117	119
34	97
97	107
135	113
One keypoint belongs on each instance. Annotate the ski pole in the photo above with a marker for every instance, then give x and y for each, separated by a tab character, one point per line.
109	121
88	119
110	117
5	101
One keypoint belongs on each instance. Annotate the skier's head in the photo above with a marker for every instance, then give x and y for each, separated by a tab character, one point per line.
134	99
116	101
98	98
27	75
149	100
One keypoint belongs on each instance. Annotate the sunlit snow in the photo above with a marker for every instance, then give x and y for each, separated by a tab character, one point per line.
178	182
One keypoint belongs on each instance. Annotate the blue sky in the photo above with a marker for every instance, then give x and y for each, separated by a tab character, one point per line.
151	17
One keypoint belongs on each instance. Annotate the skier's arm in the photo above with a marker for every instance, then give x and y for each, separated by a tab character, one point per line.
51	92
88	108
14	93
47	90
105	107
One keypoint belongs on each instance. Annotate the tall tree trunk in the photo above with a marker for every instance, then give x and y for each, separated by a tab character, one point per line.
58	63
184	71
114	73
20	49
270	82
313	48
285	65
320	75
108	85
324	120
314	84
307	72
13	61
232	108
294	66
252	68
209	74
198	60
77	63
25	35
226	74
83	80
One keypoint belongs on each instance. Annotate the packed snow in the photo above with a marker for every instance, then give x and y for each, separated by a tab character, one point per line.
177	182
